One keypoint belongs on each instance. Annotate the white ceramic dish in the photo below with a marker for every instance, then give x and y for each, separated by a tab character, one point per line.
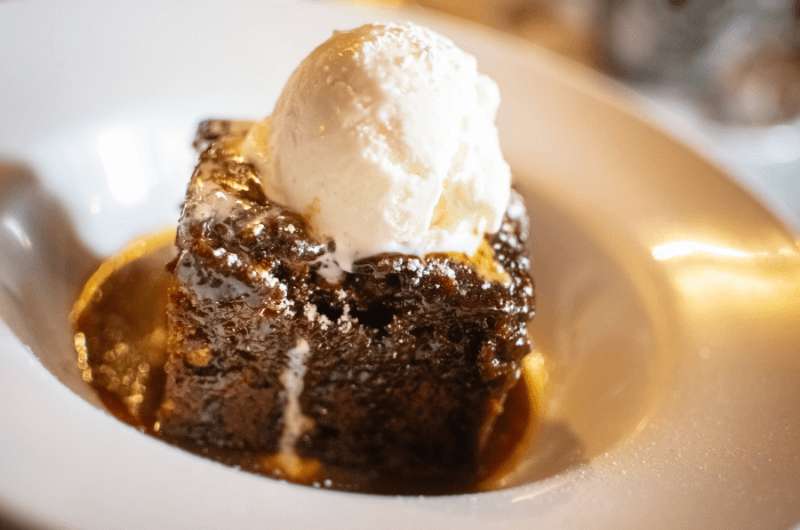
669	300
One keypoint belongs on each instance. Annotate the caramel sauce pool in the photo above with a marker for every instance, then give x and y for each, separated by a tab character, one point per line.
120	338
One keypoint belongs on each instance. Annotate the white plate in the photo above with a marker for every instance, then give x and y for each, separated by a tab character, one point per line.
669	300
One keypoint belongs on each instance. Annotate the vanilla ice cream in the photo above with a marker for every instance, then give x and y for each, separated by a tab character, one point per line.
384	137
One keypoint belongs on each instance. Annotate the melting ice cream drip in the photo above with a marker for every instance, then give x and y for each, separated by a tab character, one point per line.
295	423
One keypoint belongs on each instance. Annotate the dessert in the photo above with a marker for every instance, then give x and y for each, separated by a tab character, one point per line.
384	138
351	287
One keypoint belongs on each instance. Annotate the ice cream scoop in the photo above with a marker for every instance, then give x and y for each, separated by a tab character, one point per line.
384	137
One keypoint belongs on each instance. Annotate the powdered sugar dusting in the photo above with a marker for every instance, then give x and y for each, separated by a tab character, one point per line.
310	312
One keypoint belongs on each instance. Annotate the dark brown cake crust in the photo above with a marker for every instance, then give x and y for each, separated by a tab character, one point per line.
408	359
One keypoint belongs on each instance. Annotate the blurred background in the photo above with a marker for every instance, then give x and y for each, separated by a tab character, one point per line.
724	75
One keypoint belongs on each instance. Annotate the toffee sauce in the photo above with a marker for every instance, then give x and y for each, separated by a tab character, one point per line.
121	340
